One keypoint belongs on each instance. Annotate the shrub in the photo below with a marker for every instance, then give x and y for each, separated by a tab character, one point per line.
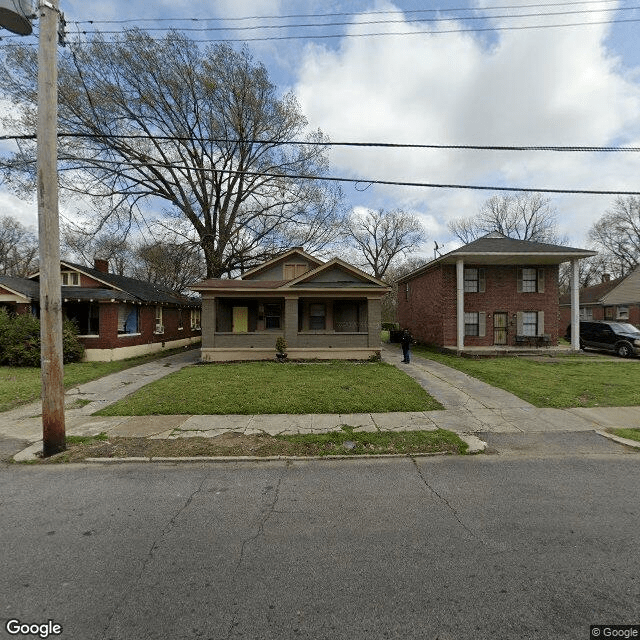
281	345
20	341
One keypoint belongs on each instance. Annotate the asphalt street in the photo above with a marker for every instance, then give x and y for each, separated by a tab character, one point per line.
491	546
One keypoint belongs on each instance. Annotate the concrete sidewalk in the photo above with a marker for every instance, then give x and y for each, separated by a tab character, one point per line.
471	407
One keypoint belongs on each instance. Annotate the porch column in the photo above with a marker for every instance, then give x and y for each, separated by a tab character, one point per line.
460	303
208	322
291	321
374	322
575	305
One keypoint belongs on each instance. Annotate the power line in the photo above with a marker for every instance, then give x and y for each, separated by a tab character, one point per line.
345	13
370	182
383	145
380	22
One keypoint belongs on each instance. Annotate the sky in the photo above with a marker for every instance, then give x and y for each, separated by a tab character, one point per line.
459	74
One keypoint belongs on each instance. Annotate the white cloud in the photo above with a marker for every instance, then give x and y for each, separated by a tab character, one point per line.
559	86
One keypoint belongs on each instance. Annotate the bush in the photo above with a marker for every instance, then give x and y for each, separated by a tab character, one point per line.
20	341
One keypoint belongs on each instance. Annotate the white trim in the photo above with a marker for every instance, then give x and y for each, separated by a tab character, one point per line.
120	353
230	354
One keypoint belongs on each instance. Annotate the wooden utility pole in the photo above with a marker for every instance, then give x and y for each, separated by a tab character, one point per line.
53	431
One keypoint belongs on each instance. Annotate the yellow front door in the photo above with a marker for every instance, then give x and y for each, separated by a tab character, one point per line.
240	319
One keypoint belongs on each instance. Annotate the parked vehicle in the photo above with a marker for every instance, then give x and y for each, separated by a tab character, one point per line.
620	337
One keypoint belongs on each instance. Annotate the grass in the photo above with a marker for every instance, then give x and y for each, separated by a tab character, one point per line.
271	387
346	442
561	382
19	385
629	434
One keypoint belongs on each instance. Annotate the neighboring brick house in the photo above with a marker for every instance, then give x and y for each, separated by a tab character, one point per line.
326	310
117	317
617	299
495	291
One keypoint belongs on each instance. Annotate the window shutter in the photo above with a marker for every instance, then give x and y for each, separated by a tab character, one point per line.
541	280
482	281
519	323
519	279
540	323
482	324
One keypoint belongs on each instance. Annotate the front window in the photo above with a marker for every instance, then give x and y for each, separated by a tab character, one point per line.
529	280
195	318
159	326
586	313
471	324
623	312
529	323
128	319
272	316
471	280
317	314
609	313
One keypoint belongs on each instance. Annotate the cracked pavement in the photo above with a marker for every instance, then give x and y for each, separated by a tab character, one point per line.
463	547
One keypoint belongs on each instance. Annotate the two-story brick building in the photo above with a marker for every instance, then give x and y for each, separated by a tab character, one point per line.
493	292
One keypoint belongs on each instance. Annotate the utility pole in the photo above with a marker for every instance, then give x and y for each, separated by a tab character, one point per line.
15	15
52	373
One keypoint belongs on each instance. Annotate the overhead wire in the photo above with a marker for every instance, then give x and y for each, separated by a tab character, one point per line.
396	183
383	145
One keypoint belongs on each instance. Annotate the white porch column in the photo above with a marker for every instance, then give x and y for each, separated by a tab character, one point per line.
460	303
575	305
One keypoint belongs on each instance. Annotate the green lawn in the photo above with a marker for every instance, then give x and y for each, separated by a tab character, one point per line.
629	434
270	387
19	385
562	382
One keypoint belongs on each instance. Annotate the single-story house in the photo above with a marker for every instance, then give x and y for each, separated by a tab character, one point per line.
326	310
617	299
494	291
117	317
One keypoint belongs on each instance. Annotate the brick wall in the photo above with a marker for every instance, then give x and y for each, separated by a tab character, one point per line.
430	311
109	338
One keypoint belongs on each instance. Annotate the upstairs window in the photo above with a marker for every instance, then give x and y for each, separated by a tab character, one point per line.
474	280
529	281
70	279
292	271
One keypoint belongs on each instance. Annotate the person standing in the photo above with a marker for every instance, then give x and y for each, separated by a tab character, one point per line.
405	341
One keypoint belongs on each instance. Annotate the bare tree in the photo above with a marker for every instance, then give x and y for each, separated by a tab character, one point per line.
617	235
396	271
202	132
590	272
524	216
170	264
18	248
82	246
381	238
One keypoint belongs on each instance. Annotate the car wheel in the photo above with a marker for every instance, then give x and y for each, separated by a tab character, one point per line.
623	350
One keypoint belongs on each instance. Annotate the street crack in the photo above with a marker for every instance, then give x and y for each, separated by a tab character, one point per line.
150	553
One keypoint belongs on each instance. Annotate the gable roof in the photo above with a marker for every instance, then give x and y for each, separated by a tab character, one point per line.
309	281
622	290
116	288
280	258
361	278
496	248
21	286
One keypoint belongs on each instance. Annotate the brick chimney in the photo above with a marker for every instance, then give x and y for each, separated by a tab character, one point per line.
606	277
101	265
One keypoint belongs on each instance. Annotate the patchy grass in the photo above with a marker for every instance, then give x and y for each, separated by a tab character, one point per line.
20	385
629	434
271	387
554	382
346	442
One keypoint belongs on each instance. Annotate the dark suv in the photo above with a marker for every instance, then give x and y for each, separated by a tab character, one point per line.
620	337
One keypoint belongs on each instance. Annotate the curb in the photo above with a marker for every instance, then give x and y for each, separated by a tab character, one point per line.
610	436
